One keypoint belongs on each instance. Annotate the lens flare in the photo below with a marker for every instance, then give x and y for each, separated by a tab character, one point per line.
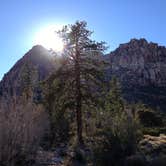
48	38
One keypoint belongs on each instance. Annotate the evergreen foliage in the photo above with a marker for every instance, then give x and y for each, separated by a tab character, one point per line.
80	74
119	131
114	101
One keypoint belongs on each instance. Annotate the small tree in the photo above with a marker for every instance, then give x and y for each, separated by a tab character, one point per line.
114	102
118	133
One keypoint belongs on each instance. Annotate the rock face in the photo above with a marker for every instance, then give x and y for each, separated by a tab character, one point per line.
144	63
151	152
153	147
141	68
32	68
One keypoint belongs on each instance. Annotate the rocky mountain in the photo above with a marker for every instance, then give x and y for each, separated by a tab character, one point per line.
33	67
146	60
139	65
141	68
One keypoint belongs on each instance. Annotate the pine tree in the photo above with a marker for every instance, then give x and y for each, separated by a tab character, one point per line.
114	102
80	75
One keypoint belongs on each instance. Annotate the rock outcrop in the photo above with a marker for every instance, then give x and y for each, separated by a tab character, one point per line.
153	147
141	68
142	62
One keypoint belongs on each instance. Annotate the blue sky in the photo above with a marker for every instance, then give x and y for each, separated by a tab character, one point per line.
113	21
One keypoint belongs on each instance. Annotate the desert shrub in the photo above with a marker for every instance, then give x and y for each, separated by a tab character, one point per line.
148	116
21	130
152	121
117	139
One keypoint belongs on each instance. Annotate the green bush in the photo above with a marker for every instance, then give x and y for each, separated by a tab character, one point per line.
149	117
117	139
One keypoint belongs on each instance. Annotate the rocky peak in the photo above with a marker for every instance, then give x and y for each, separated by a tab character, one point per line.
133	43
37	63
143	61
140	66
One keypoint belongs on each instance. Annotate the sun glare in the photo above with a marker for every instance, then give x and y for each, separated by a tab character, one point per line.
48	38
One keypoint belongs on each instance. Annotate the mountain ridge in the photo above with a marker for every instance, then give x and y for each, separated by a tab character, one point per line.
145	58
139	66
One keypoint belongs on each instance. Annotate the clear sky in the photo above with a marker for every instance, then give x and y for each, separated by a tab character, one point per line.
113	21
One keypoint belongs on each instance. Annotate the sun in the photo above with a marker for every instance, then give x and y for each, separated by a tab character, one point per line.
48	38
